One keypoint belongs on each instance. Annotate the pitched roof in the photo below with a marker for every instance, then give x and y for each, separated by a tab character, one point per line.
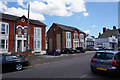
14	18
68	28
108	33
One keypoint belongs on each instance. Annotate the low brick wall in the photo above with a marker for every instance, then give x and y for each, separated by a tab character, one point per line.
23	54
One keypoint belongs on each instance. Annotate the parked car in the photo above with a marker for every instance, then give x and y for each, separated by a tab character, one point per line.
108	49
54	52
67	51
80	49
73	50
106	62
96	49
13	62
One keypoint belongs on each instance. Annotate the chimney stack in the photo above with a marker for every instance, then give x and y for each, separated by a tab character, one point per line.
104	29
119	30
114	27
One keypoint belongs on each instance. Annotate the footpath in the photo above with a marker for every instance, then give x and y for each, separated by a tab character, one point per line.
45	59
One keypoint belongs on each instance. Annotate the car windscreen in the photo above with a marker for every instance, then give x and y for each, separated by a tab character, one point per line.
11	58
101	55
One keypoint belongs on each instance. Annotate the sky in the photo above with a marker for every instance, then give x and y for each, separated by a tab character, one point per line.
89	16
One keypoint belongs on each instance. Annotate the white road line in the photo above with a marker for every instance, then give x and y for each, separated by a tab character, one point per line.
83	76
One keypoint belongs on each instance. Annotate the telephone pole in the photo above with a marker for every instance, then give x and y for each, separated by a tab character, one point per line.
28	32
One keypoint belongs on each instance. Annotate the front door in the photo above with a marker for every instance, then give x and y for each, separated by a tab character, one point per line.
19	45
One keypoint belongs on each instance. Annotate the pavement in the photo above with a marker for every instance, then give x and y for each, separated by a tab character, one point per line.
43	59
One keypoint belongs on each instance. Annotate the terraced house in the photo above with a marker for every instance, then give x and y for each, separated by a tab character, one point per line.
63	36
13	34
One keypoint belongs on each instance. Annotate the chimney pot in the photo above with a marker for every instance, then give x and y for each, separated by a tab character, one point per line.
104	29
114	27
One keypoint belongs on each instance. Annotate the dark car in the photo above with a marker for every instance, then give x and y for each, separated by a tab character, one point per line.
54	52
106	61
73	50
9	62
80	49
67	51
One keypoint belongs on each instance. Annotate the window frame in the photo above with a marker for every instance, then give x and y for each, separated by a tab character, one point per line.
6	32
5	44
19	32
81	38
26	31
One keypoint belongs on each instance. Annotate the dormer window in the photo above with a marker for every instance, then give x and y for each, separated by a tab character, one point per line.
19	30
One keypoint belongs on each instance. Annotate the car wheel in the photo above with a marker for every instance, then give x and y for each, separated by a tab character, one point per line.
67	52
54	54
93	71
18	67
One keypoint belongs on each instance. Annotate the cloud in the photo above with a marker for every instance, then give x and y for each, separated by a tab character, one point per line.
93	26
58	7
5	2
85	14
20	2
102	0
17	11
48	7
87	31
3	7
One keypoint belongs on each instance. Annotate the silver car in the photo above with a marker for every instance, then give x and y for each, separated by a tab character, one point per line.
106	61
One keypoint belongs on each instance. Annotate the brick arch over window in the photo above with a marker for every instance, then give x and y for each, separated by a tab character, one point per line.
19	26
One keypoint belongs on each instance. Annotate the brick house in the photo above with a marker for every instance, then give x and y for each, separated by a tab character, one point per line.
62	36
13	33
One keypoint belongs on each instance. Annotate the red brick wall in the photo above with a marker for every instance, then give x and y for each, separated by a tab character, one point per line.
19	22
32	36
51	34
11	34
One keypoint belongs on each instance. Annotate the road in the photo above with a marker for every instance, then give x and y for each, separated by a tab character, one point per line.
76	67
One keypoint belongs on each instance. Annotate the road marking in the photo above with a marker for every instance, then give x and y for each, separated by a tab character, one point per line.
83	76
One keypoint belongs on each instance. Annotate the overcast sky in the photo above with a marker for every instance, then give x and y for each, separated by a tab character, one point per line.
89	16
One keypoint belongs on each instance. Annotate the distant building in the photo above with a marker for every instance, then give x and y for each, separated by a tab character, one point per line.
62	36
13	34
109	38
106	43
90	42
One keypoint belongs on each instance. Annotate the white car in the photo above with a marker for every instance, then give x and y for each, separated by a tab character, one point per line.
96	48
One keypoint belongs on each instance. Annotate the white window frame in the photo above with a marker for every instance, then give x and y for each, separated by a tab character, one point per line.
24	30
68	39
37	38
37	31
6	29
5	44
81	38
19	32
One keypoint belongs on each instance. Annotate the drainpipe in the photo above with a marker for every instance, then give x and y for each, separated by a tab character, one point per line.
14	38
63	44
